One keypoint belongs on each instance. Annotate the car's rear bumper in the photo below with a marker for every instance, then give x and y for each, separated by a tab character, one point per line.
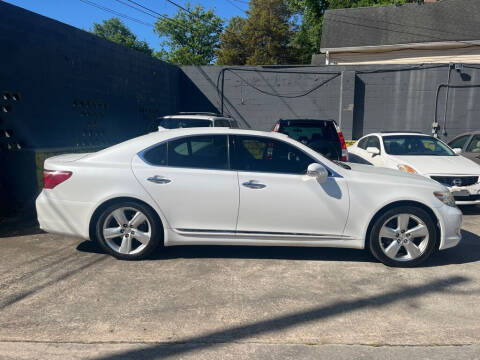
63	216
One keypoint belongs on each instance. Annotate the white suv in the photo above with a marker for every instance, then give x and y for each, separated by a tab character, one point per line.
196	119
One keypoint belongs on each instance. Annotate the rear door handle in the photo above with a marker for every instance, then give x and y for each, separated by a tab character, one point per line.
253	184
157	179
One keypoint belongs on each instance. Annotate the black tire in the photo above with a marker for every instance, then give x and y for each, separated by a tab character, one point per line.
156	230
374	240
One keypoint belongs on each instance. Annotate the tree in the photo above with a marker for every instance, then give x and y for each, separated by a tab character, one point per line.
264	37
193	36
232	40
114	30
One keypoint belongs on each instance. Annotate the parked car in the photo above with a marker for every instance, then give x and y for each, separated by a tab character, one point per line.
425	155
196	119
241	187
323	136
467	145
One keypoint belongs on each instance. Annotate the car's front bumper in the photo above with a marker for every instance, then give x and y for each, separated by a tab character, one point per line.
450	219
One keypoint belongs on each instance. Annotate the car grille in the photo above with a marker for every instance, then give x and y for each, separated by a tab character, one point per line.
467	198
456	180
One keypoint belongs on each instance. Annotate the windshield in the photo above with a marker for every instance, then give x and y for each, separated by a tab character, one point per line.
174	123
415	145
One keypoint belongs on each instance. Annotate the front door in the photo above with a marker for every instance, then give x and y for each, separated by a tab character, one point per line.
278	199
191	181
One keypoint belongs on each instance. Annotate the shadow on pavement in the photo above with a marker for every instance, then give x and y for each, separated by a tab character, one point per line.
467	251
19	226
211	339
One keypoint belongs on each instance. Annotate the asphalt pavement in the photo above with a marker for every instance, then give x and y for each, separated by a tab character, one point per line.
62	298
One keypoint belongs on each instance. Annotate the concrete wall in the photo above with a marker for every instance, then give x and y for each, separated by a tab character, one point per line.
63	90
360	98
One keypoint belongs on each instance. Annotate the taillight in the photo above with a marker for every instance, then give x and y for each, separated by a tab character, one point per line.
343	144
52	178
277	127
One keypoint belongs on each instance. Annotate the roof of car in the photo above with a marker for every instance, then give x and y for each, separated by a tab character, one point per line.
393	133
331	120
197	116
142	142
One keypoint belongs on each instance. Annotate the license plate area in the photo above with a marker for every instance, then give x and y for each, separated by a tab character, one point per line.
460	193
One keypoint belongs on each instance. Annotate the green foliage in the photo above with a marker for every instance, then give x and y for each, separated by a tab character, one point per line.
114	30
307	39
231	51
192	37
264	37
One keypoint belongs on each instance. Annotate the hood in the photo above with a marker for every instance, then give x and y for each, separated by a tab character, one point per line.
395	175
455	165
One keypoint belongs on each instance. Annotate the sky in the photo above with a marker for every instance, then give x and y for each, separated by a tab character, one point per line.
82	15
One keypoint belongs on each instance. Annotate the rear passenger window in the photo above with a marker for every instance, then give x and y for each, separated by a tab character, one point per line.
205	151
157	155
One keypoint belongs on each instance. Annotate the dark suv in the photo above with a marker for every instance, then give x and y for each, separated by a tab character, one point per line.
323	136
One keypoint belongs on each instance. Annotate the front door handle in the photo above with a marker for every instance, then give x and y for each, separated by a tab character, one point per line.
253	184
157	179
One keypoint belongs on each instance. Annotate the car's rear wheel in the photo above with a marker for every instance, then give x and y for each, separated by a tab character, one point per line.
128	230
404	236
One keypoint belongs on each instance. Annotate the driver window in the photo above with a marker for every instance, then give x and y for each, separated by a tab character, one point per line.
474	145
254	153
373	142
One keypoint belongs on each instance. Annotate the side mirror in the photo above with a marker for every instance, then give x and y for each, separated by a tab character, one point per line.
318	171
373	150
457	151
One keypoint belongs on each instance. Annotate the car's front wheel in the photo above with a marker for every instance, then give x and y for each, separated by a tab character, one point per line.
128	230
403	236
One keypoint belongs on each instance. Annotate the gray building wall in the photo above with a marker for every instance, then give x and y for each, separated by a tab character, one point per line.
362	99
65	90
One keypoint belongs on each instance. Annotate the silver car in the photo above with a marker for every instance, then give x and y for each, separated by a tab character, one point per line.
468	145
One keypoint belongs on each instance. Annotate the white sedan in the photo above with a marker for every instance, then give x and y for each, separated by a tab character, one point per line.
421	154
237	187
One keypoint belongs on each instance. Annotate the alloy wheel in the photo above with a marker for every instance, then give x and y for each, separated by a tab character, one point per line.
404	237
127	230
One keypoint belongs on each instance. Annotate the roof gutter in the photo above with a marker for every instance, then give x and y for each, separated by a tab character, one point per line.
424	45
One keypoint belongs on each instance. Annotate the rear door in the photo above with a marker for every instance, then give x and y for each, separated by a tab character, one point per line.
191	181
277	199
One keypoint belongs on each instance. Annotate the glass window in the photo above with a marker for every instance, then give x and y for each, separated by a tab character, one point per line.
373	141
157	155
459	142
415	145
474	145
174	123
253	153
222	123
203	151
362	144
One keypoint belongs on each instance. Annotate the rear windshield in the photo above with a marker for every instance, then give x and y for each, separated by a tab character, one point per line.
309	132
173	123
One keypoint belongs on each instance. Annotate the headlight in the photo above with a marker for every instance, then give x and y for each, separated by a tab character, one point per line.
407	168
446	197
